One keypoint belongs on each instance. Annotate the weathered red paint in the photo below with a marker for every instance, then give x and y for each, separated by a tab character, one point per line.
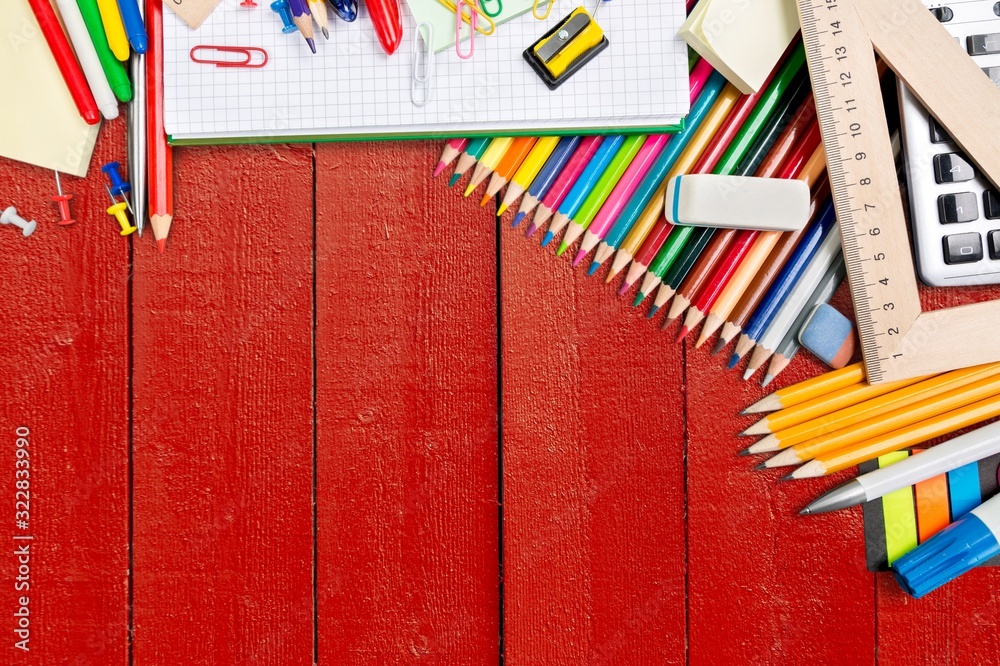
406	412
223	415
593	437
64	362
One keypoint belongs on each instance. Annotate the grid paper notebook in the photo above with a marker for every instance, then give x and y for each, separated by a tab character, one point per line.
351	89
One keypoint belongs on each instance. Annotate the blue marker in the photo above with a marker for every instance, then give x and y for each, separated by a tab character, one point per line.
135	30
585	183
644	193
963	545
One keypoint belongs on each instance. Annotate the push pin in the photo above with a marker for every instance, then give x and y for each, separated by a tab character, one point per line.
249	4
10	216
284	10
118	209
62	200
119	187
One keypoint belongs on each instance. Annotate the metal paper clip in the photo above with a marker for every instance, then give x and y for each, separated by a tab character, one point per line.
459	16
496	12
548	10
246	51
423	65
485	19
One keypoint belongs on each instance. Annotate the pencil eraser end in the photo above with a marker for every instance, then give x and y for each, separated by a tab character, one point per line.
829	335
737	202
947	555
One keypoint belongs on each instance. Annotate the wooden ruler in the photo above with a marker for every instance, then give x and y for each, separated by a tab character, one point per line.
898	340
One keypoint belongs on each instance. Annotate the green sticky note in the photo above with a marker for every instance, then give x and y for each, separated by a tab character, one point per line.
442	20
899	514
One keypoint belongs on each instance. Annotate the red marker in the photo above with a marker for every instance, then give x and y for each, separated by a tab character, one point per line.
66	61
387	22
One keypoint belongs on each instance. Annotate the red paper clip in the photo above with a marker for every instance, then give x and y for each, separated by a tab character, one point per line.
246	51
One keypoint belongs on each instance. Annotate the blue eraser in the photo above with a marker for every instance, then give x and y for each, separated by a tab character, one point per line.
829	335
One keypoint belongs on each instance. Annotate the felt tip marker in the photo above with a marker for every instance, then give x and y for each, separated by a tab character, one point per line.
966	543
958	452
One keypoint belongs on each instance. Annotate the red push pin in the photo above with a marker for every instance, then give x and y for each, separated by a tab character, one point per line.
62	200
249	4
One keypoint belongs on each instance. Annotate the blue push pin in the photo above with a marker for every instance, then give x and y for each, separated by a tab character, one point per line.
118	185
282	9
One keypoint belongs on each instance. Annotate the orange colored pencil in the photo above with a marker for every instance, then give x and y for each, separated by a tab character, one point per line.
512	159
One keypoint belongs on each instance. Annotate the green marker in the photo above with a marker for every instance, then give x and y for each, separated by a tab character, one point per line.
113	68
592	204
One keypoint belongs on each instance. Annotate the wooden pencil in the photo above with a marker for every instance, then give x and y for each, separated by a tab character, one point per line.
922	431
452	149
796	394
512	159
529	169
489	161
161	156
469	157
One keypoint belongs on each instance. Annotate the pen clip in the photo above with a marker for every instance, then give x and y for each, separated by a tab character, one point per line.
420	85
246	51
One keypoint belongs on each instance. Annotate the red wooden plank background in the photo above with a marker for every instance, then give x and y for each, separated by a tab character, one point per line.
632	534
64	363
593	470
223	415
406	413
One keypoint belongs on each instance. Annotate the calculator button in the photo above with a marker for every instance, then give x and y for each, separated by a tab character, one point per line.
984	44
952	168
943	14
994	237
991	204
956	208
994	74
996	9
963	248
938	135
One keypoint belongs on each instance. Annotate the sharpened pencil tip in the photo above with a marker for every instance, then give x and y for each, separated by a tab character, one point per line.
593	268
748	374
639	298
562	248
667	323
548	238
502	209
681	334
469	189
745	452
652	311
733	360
517	220
760	466
625	286
767	380
161	245
580	254
455	177
312	44
787	477
326	33
485	200
719	345
531	230
438	169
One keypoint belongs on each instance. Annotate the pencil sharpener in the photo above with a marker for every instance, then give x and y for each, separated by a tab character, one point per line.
563	50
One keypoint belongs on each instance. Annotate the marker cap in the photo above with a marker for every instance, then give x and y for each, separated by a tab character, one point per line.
951	552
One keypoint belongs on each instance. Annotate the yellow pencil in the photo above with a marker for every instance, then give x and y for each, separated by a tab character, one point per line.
843	418
811	388
489	161
900	439
685	162
529	168
888	422
114	29
823	405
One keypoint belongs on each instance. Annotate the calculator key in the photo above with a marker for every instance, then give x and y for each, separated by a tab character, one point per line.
943	14
952	168
938	135
956	208
963	248
994	74
991	204
996	9
983	44
994	237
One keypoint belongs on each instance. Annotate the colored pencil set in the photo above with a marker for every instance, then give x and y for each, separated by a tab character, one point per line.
604	196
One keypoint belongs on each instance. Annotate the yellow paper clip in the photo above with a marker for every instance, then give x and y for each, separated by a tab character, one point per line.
467	18
542	17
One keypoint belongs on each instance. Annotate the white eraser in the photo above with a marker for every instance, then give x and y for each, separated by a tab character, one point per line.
737	202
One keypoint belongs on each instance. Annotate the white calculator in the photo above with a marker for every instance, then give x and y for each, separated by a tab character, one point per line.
954	211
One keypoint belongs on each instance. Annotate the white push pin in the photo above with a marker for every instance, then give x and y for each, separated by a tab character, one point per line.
10	216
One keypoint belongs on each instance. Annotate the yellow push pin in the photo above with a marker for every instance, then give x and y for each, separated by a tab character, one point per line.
118	210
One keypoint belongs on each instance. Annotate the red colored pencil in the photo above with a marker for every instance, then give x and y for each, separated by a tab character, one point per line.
161	158
65	59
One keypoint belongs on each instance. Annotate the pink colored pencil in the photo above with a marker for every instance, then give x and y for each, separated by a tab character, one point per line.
564	182
452	149
623	191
